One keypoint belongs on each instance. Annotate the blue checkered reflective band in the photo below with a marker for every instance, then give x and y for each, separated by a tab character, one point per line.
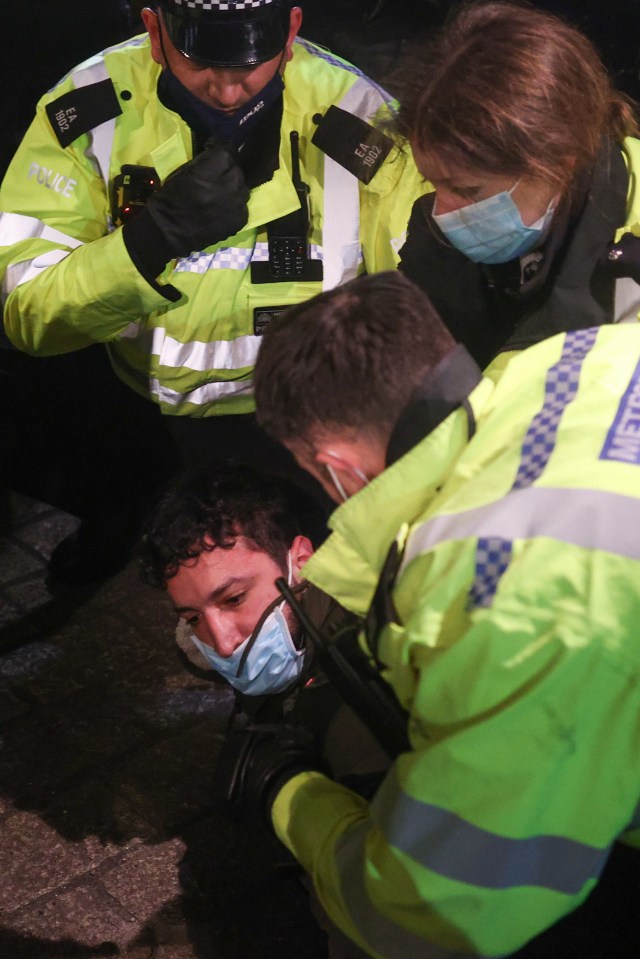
492	558
561	388
326	55
623	439
493	554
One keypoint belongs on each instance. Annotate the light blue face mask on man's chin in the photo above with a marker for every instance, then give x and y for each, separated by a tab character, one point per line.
266	662
491	230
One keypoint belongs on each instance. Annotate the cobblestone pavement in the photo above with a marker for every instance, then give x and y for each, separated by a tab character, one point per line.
106	752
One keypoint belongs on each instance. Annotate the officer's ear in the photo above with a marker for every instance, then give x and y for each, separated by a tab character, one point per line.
152	26
295	22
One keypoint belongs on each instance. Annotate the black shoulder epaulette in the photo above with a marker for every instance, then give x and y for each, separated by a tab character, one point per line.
622	259
81	110
352	142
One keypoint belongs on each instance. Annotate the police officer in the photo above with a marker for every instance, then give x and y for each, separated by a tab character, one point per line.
177	191
533	160
488	540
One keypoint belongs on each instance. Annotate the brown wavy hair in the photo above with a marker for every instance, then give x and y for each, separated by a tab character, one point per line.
512	90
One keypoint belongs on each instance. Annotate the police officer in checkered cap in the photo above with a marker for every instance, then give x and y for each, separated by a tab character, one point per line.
179	190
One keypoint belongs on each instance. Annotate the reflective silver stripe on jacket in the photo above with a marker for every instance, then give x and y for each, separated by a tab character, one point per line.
196	355
15	227
589	518
101	137
341	214
441	841
384	936
202	396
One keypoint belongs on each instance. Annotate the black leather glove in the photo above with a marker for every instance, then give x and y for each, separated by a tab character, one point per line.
256	762
203	202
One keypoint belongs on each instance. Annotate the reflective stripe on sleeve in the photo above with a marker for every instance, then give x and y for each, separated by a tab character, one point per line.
441	841
15	227
590	519
23	272
385	937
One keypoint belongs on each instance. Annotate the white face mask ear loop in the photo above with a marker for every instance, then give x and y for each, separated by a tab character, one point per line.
289	569
336	482
361	476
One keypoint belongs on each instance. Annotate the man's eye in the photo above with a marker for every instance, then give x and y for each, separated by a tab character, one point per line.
193	620
235	600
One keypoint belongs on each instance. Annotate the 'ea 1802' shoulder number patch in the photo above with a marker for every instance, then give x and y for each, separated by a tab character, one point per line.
353	143
81	110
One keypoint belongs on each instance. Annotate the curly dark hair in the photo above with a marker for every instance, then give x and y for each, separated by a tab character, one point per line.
209	508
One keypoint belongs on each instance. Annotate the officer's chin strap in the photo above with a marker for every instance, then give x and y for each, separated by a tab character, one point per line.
443	390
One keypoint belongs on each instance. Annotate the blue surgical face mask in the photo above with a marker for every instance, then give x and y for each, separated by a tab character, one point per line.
234	130
491	230
266	662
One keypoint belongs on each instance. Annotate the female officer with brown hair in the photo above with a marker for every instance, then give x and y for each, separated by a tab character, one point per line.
529	231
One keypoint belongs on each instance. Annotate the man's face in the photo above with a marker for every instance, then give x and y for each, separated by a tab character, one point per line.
223	592
223	88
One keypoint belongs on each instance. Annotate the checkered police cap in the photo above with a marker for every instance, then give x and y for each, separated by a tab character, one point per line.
220	5
228	33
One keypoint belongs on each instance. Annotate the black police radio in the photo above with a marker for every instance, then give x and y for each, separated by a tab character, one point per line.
288	237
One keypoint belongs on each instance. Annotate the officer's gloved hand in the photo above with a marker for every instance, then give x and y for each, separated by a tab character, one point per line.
256	762
203	202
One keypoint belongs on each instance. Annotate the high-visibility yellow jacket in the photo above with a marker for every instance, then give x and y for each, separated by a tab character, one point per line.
515	653
67	278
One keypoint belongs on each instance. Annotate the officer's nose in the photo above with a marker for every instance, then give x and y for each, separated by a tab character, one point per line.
223	636
446	202
225	90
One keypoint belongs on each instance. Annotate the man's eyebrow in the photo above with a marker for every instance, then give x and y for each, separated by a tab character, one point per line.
218	591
